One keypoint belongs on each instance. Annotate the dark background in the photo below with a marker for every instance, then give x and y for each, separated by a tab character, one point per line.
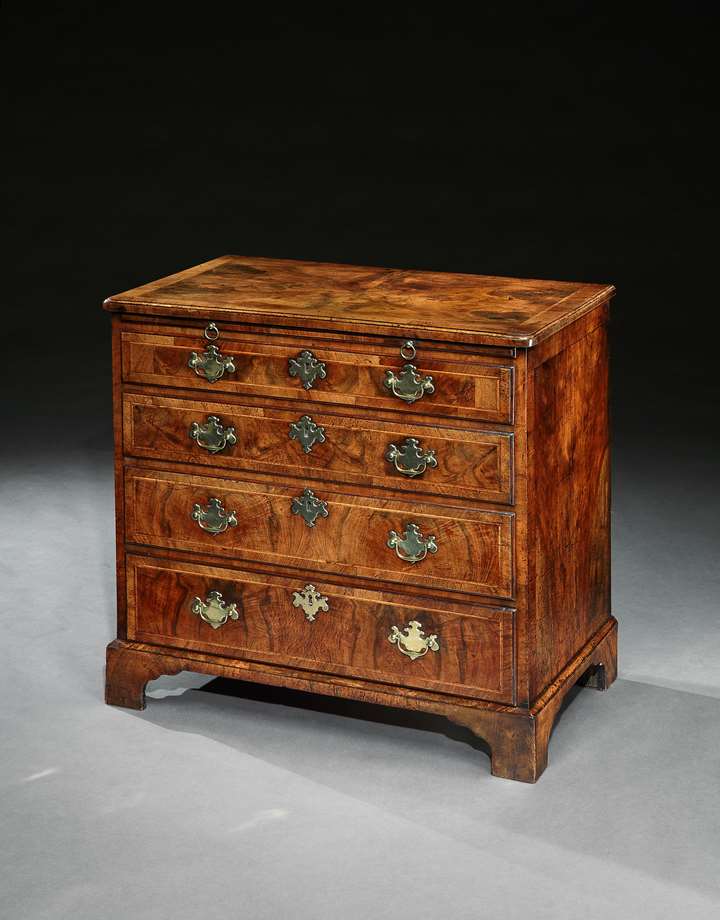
556	140
569	142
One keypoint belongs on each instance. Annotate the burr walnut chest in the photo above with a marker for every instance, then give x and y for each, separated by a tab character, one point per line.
385	485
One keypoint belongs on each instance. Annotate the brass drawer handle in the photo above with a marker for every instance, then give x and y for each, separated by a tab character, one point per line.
212	435
311	601
309	507
408	385
210	364
411	546
306	368
411	459
214	610
213	517
306	433
413	642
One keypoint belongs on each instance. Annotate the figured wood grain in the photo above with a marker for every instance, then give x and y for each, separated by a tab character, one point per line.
519	744
467	389
521	596
478	308
470	463
568	461
351	638
474	547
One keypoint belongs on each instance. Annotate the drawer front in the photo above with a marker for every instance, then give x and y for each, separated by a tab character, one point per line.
472	464
326	530
269	366
452	648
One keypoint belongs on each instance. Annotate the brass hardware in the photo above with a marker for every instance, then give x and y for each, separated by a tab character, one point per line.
309	507
411	459
307	433
213	518
213	609
408	350
211	332
408	385
413	642
311	601
212	436
412	546
307	368
211	364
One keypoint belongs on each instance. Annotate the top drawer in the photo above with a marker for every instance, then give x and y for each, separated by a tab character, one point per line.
432	381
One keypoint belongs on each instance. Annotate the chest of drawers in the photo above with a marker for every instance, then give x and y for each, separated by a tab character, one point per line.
390	486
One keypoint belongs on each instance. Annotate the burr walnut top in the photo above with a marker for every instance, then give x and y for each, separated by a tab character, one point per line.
474	309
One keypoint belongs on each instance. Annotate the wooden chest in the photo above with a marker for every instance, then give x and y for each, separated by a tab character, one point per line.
391	486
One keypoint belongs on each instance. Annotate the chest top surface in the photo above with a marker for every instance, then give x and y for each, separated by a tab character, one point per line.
476	309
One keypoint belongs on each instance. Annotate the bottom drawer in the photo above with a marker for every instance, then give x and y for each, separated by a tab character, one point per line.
442	646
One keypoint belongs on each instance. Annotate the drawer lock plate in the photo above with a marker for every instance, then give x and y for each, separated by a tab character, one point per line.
311	601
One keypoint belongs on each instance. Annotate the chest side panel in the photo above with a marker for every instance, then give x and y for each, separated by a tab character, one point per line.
569	533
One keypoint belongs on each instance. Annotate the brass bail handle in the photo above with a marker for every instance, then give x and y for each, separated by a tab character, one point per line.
408	383
211	332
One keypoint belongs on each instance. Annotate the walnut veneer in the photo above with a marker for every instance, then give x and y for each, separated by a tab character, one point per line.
387	485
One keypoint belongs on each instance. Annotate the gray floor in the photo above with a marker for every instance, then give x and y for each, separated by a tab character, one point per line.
211	806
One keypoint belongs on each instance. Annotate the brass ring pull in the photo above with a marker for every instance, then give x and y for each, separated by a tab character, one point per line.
412	641
412	546
213	517
408	350
410	459
213	610
211	332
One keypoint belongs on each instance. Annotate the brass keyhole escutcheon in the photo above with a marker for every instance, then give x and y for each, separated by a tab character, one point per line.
311	601
307	368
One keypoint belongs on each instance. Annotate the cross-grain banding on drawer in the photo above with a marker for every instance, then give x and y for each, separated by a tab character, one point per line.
472	653
323	445
461	386
326	530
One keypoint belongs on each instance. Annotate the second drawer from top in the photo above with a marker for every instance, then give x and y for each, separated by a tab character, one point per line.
326	446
